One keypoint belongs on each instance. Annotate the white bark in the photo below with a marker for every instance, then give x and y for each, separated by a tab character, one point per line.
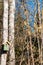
5	30
5	21
3	59
11	31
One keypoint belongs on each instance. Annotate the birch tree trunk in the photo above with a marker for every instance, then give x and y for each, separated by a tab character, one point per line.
11	31
5	30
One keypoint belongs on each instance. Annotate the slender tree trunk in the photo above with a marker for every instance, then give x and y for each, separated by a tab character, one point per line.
28	53
11	31
39	12
21	59
39	49
31	51
5	30
42	35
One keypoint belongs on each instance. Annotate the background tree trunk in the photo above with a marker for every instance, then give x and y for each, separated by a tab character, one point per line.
39	12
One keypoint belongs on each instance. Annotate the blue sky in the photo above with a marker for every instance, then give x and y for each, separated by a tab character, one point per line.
30	6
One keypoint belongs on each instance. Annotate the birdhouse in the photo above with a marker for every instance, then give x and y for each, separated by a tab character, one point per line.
6	47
